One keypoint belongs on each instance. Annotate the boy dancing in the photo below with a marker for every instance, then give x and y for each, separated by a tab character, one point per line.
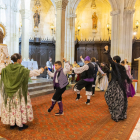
87	78
60	82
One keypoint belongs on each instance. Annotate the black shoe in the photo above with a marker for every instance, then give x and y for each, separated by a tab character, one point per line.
88	102
78	97
49	110
13	127
22	128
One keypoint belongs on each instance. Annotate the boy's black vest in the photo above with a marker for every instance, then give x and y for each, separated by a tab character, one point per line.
88	73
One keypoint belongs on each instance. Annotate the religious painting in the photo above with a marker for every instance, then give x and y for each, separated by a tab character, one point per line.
36	19
94	21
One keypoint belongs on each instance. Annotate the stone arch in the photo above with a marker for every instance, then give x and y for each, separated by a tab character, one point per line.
131	3
113	4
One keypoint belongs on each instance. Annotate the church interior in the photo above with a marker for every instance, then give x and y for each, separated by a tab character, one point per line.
40	34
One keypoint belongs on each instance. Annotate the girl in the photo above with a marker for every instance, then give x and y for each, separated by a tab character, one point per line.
102	81
130	91
17	108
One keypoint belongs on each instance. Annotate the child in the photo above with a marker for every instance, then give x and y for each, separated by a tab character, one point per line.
130	91
87	78
60	82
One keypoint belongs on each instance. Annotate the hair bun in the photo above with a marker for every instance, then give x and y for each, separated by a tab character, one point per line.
15	57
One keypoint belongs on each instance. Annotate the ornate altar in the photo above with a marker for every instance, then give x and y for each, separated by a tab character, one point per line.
2	32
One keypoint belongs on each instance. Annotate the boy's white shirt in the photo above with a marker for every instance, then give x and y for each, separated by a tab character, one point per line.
66	69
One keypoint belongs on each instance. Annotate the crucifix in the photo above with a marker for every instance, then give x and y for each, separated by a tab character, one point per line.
138	86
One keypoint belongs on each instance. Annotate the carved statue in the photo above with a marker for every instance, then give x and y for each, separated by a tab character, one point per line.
95	20
36	19
93	5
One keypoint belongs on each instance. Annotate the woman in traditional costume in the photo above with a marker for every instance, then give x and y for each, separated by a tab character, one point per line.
2	65
130	91
102	81
16	108
115	95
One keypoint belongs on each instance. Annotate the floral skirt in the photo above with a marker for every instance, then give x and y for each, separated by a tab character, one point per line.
16	111
1	102
116	100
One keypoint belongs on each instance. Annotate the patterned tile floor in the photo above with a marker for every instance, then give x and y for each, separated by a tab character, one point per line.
135	135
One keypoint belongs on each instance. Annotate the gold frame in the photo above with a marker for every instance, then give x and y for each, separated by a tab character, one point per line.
3	27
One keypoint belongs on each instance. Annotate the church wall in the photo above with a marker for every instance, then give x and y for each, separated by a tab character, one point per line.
84	14
137	17
47	18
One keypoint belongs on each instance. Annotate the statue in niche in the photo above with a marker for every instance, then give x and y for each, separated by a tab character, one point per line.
95	20
93	4
36	19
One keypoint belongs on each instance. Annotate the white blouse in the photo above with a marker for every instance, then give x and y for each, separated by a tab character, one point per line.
32	72
65	70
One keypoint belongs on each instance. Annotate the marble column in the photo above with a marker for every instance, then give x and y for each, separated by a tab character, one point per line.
128	33
16	35
70	38
115	33
25	14
122	31
60	28
8	28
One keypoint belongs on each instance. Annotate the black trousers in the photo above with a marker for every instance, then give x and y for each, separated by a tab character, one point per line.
81	84
93	88
58	94
94	81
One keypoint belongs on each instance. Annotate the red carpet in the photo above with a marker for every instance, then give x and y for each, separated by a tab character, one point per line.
80	122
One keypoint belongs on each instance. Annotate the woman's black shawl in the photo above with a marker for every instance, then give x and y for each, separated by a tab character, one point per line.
118	73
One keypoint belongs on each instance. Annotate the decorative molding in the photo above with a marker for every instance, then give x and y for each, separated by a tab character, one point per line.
61	4
115	12
72	16
25	14
129	11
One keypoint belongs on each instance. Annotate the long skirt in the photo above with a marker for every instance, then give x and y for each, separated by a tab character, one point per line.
1	102
103	84
130	91
16	111
116	100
